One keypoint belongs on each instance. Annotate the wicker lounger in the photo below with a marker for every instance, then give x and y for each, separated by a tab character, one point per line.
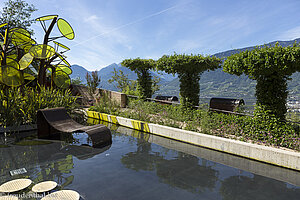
54	120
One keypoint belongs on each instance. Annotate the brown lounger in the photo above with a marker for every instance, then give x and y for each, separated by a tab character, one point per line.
54	120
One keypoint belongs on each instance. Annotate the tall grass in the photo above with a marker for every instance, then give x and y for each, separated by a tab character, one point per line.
18	106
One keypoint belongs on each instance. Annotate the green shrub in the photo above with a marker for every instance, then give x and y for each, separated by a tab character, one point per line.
264	128
106	105
142	69
19	105
189	69
271	67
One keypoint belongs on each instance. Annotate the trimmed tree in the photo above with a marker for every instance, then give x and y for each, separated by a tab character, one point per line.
189	69
142	69
271	67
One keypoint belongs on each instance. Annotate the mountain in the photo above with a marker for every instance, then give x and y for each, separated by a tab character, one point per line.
234	51
212	83
79	72
107	72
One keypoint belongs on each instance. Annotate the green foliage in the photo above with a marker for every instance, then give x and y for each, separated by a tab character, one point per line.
263	128
18	14
92	82
19	106
142	68
138	112
293	116
155	84
271	67
106	105
189	69
76	81
122	82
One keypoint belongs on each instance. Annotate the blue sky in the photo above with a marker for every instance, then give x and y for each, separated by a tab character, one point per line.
108	31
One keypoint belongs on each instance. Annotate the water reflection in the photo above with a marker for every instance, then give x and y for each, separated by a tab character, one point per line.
182	171
142	166
142	158
44	159
186	173
198	175
244	187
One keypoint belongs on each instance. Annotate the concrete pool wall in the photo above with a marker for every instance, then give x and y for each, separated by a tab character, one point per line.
283	158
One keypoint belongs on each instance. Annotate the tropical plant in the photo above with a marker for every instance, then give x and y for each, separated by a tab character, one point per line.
189	69
49	57
271	67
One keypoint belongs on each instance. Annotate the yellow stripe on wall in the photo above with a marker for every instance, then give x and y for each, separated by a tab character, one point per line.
104	117
141	126
135	124
98	116
146	128
138	125
114	119
92	114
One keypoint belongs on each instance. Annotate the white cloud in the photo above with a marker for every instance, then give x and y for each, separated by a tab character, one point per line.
91	18
290	34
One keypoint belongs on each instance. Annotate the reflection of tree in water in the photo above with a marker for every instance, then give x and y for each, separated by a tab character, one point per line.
185	172
57	171
258	188
142	159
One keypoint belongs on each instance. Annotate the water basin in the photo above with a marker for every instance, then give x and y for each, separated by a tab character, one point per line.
138	165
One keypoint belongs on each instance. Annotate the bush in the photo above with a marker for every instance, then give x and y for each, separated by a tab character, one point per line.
19	105
106	105
189	69
271	67
264	128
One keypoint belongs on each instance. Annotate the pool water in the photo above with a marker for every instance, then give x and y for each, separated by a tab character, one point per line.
139	166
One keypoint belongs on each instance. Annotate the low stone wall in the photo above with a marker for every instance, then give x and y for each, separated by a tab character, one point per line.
275	156
80	90
118	97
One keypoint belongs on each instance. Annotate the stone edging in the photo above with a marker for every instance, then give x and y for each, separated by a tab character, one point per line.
279	157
